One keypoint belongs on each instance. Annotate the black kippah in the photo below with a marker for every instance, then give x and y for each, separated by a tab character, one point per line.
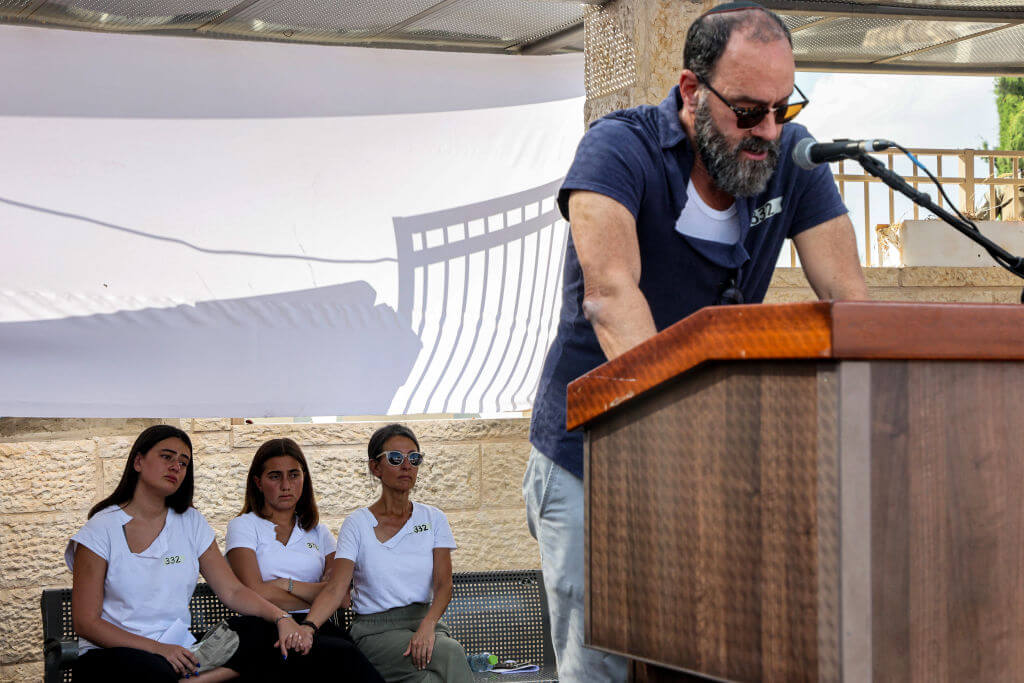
734	7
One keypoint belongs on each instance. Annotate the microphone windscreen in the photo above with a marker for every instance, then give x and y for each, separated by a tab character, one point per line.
802	154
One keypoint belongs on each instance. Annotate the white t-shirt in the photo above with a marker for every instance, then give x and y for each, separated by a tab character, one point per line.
146	593
301	558
697	219
399	571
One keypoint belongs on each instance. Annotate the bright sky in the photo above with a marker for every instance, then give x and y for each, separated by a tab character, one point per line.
946	112
915	111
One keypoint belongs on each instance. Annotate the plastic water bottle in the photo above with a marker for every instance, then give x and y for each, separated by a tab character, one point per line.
483	661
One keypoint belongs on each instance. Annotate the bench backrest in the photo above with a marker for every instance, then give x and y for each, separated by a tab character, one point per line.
504	612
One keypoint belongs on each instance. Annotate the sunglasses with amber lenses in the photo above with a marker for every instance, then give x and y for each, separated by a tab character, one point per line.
395	458
748	117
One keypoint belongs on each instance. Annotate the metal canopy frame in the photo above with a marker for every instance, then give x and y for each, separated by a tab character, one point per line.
977	37
987	40
509	26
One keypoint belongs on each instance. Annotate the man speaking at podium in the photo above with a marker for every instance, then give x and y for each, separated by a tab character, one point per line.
673	208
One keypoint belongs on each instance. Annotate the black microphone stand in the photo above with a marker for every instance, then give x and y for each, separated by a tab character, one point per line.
1014	264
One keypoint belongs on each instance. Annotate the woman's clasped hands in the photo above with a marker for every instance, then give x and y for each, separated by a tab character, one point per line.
292	636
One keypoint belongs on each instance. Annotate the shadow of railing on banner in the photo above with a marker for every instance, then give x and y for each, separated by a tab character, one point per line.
481	286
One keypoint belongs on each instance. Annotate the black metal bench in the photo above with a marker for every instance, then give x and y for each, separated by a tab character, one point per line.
503	612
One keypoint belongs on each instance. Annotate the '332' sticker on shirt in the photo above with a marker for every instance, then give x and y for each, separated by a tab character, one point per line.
772	207
174	559
420	527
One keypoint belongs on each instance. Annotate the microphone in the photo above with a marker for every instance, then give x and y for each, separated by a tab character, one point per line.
807	153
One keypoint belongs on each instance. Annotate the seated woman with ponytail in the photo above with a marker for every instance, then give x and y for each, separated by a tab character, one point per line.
134	566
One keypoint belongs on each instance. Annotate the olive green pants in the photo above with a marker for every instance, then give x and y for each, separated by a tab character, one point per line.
384	636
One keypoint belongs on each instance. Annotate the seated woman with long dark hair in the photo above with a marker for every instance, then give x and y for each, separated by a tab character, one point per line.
397	555
278	547
135	564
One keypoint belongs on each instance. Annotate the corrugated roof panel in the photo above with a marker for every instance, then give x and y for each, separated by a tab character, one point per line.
870	39
13	6
322	20
508	22
1003	47
127	15
794	21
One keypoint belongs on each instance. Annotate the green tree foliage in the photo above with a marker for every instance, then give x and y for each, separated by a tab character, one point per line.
1010	104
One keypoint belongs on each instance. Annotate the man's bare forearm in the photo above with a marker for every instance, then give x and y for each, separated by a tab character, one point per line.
620	322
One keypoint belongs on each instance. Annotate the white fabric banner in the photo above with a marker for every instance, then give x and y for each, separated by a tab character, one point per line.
215	228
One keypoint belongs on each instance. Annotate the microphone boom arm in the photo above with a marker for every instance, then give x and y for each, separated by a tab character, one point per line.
1014	264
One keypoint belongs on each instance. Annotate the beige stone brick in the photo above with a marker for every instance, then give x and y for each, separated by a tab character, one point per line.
34	428
789	296
595	108
113	468
942	294
663	33
493	539
789	277
32	548
252	436
22	673
42	476
202	443
220	485
449	477
341	479
117	447
503	466
203	424
882	276
431	431
21	639
333	522
209	443
1006	295
947	276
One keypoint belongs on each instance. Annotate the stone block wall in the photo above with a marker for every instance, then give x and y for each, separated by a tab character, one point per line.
922	284
53	471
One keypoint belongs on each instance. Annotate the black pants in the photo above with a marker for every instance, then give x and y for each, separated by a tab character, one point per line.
333	655
122	664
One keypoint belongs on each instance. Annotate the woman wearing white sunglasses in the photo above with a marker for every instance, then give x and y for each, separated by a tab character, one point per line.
396	554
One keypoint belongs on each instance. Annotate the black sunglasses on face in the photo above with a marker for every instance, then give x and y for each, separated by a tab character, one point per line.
748	117
395	458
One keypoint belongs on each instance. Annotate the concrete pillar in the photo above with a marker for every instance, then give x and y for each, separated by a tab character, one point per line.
634	51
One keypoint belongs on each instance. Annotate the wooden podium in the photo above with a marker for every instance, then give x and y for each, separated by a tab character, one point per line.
810	492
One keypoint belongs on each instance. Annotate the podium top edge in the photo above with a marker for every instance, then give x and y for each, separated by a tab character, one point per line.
840	330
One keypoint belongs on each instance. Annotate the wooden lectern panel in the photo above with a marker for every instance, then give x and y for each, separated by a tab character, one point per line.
826	520
704	553
947	501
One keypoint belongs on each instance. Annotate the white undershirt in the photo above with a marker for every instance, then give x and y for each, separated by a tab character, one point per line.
697	219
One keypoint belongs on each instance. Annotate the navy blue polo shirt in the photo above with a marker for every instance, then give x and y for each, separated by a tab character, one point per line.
640	157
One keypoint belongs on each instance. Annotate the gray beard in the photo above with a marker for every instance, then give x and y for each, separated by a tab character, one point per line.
730	172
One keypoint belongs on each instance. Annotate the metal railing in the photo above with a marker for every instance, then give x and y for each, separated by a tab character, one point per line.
979	189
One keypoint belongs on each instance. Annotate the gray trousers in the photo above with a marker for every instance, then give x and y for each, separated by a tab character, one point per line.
554	513
383	637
